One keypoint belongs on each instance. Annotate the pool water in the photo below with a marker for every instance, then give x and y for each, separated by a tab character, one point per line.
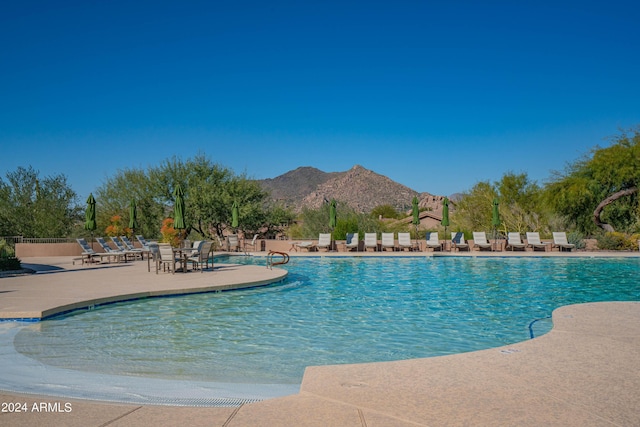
329	311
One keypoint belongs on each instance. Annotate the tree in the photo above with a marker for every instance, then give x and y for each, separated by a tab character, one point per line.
601	191
35	207
521	208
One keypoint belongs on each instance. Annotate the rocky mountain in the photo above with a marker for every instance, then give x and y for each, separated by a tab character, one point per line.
360	188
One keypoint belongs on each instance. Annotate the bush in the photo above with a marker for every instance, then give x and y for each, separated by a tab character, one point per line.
576	238
10	264
617	241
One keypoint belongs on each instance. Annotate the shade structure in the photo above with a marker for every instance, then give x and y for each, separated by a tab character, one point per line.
333	214
415	210
495	218
178	208
133	216
235	213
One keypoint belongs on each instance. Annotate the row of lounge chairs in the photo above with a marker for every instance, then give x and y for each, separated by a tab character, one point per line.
433	242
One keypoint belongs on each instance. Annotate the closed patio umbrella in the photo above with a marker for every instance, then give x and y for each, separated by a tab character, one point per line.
235	215
178	209
333	214
90	216
133	216
445	216
495	218
415	211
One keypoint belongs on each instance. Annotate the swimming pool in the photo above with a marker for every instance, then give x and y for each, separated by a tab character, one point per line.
328	311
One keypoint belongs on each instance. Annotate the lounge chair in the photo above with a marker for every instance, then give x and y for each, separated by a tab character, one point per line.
388	241
370	241
116	254
143	242
128	252
533	241
457	240
168	259
352	241
324	241
200	259
480	240
514	241
233	243
308	245
129	245
404	242
88	254
560	241
433	241
253	244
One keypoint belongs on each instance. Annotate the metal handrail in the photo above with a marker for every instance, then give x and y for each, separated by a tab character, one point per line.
271	263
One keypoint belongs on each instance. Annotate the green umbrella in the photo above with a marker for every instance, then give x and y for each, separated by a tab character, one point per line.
333	214
178	209
133	216
445	216
495	220
415	209
90	216
234	215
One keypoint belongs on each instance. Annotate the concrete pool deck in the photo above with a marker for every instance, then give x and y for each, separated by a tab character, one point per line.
585	372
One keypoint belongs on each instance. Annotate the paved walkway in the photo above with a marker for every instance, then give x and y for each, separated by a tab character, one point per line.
585	372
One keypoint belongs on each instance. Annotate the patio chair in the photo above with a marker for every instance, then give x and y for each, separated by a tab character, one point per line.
533	241
560	241
116	254
168	259
308	245
388	241
458	242
480	240
370	241
352	241
253	244
201	257
129	245
233	243
88	254
154	254
404	242
514	241
324	241
122	248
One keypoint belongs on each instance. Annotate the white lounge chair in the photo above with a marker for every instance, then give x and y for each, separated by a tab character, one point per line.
514	241
308	245
370	241
560	241
534	242
404	242
388	241
352	241
480	240
457	240
433	241
324	241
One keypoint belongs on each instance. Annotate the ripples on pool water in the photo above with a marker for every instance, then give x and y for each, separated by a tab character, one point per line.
329	311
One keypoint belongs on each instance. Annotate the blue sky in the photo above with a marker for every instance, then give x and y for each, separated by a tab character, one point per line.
435	95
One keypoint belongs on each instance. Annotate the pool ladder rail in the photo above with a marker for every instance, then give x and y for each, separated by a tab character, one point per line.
271	262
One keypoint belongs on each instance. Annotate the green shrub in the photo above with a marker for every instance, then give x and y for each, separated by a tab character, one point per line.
617	241
576	238
5	249
9	264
